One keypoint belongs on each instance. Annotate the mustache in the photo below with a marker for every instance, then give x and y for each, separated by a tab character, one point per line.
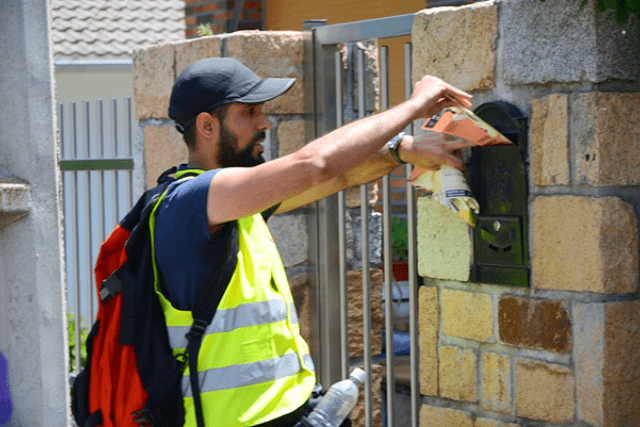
259	136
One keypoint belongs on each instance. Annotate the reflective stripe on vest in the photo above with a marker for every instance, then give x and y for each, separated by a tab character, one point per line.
248	374
251	314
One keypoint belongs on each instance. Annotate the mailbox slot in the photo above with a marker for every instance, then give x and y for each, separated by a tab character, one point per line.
497	176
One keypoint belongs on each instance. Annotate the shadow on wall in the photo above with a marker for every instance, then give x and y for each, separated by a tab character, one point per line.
6	406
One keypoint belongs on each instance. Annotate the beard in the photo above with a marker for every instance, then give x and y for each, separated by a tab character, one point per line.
228	156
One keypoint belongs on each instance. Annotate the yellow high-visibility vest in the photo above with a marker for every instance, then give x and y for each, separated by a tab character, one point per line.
253	364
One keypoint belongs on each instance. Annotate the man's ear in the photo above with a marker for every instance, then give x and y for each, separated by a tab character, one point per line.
207	124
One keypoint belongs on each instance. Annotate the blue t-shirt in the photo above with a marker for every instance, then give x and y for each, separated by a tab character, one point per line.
185	251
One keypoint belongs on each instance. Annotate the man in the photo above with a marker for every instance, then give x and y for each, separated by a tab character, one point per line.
254	367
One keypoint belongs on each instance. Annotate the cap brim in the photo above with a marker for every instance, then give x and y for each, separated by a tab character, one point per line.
268	89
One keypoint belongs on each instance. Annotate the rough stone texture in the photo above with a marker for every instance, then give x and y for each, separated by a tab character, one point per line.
289	231
299	285
273	54
190	51
163	148
291	136
544	391
607	363
486	422
435	416
371	77
584	244
606	138
550	141
353	198
444	242
153	78
15	198
428	323
353	236
496	383
356	323
564	42
467	315
537	324
457	373
457	44
358	415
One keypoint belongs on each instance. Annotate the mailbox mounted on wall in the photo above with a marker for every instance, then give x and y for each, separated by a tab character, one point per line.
497	176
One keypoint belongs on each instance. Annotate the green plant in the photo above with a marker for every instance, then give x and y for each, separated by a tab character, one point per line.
71	335
204	30
622	8
399	239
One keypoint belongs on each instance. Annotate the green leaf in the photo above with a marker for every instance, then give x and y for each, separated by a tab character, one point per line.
633	6
622	15
600	6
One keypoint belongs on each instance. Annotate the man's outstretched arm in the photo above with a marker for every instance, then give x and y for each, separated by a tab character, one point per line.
335	160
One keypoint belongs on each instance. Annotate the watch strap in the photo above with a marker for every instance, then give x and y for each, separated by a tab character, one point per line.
393	145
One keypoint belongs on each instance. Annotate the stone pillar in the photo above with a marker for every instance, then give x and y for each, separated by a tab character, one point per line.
32	305
563	351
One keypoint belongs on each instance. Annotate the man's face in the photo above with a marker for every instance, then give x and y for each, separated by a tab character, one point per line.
241	131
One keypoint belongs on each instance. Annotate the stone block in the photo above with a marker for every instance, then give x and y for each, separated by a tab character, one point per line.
163	148
607	362
444	242
467	315
369	49
429	323
457	373
457	44
289	231
496	383
356	322
545	391
584	244
299	285
436	416
291	136
536	324
487	422
358	414
563	42
353	232
273	54
190	51
550	140
15	199
606	138
353	195
153	78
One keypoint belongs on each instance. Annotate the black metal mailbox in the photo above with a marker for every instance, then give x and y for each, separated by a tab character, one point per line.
497	176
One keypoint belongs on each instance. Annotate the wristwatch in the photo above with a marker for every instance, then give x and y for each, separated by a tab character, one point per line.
393	145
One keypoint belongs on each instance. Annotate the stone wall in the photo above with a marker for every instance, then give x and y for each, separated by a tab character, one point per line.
565	350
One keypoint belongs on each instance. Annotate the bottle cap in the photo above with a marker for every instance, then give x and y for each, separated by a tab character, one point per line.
359	376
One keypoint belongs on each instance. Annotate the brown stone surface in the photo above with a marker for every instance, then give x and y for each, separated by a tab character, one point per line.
457	44
353	197
299	285
606	137
544	391
487	422
467	315
163	148
273	54
550	141
444	242
153	77
434	416
358	415
457	373
190	51
428	325
291	136
584	244
496	383
607	363
538	324
356	323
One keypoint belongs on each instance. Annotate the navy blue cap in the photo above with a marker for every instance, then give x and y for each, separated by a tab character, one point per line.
210	83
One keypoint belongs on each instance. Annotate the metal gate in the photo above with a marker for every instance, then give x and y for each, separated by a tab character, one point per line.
97	166
332	98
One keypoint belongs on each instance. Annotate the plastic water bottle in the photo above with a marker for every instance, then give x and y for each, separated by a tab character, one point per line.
338	402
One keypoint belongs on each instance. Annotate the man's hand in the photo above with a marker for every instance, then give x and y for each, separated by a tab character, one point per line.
433	94
431	150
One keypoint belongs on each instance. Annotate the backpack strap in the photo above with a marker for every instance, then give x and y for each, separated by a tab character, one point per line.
206	308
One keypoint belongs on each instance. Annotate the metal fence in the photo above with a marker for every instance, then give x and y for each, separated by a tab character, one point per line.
96	165
329	281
